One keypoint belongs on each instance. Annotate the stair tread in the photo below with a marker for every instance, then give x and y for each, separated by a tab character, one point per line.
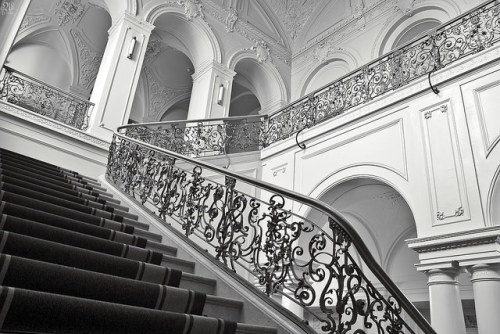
63	231
163	248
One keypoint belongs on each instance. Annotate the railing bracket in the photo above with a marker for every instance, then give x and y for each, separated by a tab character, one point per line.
434	89
301	145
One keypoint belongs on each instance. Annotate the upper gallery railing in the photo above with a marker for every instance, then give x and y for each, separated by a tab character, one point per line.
43	99
215	136
267	236
468	34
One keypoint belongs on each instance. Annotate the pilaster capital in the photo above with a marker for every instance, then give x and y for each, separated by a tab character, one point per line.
214	67
133	22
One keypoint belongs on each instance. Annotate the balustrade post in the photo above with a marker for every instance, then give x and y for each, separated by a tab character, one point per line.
118	75
445	303
486	286
225	228
11	16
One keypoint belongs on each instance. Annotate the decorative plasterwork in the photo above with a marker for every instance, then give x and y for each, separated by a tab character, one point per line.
153	49
457	244
405	7
345	27
231	19
323	51
88	61
68	11
443	108
444	170
293	14
249	32
30	20
161	97
192	9
393	196
262	51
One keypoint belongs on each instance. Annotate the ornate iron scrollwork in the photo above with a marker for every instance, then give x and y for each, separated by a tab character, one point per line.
284	252
38	97
464	36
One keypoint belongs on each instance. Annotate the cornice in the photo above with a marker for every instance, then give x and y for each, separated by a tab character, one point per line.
472	238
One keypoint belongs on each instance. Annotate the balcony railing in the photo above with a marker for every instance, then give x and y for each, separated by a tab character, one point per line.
207	137
321	264
468	34
43	99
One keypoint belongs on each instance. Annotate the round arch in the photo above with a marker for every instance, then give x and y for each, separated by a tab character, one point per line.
269	86
426	17
383	219
379	173
195	35
493	201
342	59
54	48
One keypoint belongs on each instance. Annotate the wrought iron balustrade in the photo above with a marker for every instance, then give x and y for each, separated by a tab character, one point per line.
317	264
43	99
206	137
466	35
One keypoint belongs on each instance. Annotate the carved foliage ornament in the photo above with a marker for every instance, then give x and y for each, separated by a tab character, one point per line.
160	96
89	61
231	19
262	51
68	11
192	9
30	20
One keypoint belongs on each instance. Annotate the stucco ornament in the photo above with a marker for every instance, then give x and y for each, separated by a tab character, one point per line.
192	9
30	20
89	61
405	6
231	19
321	52
68	11
294	14
153	49
262	51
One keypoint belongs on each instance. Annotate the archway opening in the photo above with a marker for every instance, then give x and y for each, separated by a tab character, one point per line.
383	220
68	46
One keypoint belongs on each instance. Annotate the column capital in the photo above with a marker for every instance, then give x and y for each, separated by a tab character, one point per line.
443	275
485	272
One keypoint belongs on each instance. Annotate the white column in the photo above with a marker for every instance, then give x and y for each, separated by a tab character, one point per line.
486	286
11	17
447	315
118	75
211	93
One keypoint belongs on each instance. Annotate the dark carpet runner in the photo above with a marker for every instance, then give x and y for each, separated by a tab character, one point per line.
70	263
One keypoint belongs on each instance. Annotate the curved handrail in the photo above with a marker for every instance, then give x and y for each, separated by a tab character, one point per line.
334	217
202	137
194	121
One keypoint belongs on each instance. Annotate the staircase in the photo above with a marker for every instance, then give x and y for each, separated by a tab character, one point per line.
75	260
